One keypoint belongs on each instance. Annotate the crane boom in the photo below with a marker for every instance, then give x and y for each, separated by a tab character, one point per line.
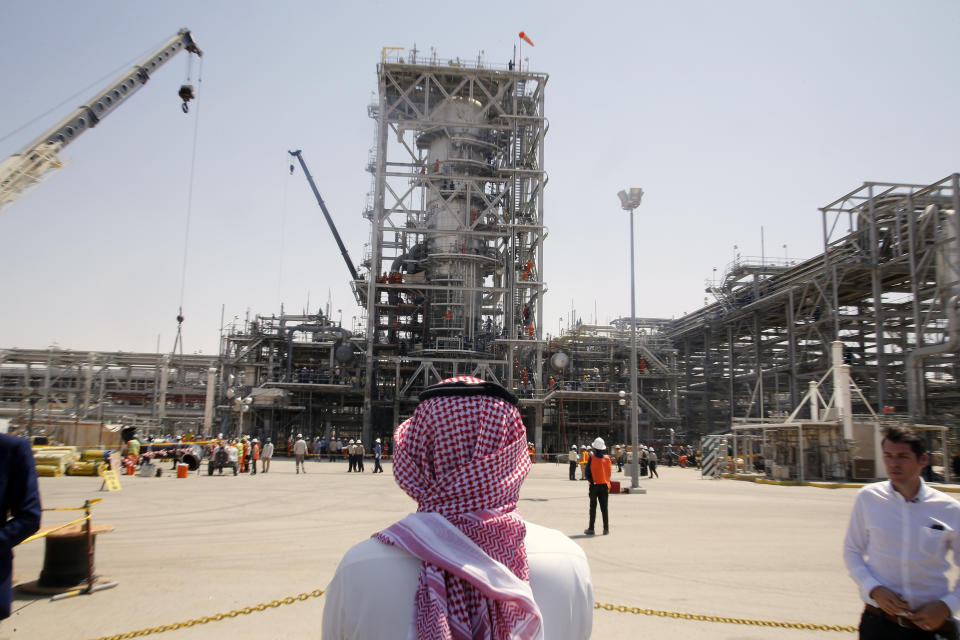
34	163
326	214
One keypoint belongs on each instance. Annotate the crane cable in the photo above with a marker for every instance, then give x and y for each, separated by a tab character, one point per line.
283	236
186	235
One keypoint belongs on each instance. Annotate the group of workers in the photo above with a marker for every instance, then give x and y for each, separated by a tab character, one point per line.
356	453
353	450
581	460
242	455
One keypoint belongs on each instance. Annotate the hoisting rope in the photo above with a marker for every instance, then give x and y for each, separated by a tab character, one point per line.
186	234
283	233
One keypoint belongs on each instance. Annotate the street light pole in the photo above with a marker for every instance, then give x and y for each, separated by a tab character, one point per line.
629	201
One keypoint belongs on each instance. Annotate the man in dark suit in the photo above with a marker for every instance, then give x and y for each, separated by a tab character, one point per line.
19	506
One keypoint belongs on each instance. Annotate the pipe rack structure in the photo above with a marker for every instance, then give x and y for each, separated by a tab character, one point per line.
885	286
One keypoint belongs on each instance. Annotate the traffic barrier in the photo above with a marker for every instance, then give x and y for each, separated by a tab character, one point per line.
714	447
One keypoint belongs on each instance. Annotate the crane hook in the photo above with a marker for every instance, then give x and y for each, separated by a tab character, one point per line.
186	94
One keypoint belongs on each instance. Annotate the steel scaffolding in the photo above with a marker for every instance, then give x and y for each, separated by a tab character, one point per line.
454	268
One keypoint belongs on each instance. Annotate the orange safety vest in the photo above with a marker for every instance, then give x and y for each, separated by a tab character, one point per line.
600	470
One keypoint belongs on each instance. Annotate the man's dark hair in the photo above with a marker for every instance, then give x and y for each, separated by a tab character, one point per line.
905	435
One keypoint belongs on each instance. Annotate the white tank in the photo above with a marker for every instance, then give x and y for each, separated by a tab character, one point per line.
456	155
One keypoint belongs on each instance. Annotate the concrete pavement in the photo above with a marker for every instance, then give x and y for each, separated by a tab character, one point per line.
186	548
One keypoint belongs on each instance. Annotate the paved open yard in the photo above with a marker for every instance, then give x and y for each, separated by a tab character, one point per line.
186	548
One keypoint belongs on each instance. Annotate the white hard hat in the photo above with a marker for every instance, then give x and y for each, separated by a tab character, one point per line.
351	442
599	444
378	440
299	435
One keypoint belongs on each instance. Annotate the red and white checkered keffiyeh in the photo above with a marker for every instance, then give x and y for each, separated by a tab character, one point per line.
464	458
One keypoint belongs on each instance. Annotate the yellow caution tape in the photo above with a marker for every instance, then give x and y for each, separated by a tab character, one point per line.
44	534
85	507
91	501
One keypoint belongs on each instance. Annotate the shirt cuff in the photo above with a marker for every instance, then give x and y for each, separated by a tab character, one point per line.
952	601
865	590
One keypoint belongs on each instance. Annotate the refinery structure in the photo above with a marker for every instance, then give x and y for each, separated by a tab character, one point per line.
798	360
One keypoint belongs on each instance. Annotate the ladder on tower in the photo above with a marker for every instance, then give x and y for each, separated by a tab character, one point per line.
517	152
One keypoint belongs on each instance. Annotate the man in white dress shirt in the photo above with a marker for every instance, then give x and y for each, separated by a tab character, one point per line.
896	548
465	565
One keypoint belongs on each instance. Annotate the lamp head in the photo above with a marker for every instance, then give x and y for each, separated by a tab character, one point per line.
630	200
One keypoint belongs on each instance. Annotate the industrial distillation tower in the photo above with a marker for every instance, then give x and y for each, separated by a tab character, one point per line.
454	272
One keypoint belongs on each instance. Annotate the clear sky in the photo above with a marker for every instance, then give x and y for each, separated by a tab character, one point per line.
731	116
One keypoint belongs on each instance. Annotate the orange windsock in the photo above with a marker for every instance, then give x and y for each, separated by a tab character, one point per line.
525	38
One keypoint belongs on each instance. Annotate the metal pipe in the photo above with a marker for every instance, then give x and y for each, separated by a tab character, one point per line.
209	403
914	360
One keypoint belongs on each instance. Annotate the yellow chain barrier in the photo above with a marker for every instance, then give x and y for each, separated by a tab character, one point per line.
316	593
809	626
263	606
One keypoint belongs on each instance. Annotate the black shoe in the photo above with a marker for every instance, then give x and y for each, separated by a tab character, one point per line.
590	532
606	532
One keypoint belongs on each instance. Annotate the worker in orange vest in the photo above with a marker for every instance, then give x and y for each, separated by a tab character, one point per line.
599	485
254	455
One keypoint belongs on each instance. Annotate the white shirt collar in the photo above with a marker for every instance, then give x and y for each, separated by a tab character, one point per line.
923	492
